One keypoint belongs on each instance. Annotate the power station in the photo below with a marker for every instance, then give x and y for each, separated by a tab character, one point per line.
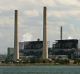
40	49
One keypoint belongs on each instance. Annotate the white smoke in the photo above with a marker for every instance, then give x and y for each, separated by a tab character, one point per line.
70	37
27	37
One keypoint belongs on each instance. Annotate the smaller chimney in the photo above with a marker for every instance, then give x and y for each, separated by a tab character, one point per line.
38	39
61	33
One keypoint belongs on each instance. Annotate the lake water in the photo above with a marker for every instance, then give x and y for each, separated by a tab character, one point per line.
40	70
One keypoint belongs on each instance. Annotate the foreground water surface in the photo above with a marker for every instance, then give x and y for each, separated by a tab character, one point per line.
40	70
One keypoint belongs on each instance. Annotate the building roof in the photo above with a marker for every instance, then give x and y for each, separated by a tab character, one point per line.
32	44
68	40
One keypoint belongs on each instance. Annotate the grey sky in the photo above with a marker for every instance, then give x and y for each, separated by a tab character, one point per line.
64	13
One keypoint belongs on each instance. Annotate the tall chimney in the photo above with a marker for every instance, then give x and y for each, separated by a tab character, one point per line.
61	33
16	44
45	42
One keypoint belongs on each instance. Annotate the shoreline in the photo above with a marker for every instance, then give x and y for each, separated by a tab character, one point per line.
39	64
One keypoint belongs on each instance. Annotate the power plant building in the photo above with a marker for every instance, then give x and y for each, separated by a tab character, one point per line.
32	48
66	44
29	49
69	47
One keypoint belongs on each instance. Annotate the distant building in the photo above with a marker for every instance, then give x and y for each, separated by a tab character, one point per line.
10	54
65	47
27	49
66	44
2	58
10	51
31	48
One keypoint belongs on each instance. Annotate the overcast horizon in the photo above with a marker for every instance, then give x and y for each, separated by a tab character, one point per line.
64	13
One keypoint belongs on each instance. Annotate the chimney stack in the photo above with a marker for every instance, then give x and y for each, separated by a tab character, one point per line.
16	44
61	33
45	42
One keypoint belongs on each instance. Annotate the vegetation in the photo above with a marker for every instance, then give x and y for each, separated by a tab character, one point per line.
59	61
77	61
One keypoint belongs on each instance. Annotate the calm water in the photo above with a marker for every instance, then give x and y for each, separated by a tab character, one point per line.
41	70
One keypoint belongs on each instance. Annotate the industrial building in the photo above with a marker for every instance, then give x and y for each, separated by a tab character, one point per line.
10	54
29	49
66	44
68	47
32	48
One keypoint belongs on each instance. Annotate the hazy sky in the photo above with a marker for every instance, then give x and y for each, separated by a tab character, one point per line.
64	13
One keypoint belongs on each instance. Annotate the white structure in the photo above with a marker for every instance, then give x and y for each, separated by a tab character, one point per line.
45	42
79	44
16	43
